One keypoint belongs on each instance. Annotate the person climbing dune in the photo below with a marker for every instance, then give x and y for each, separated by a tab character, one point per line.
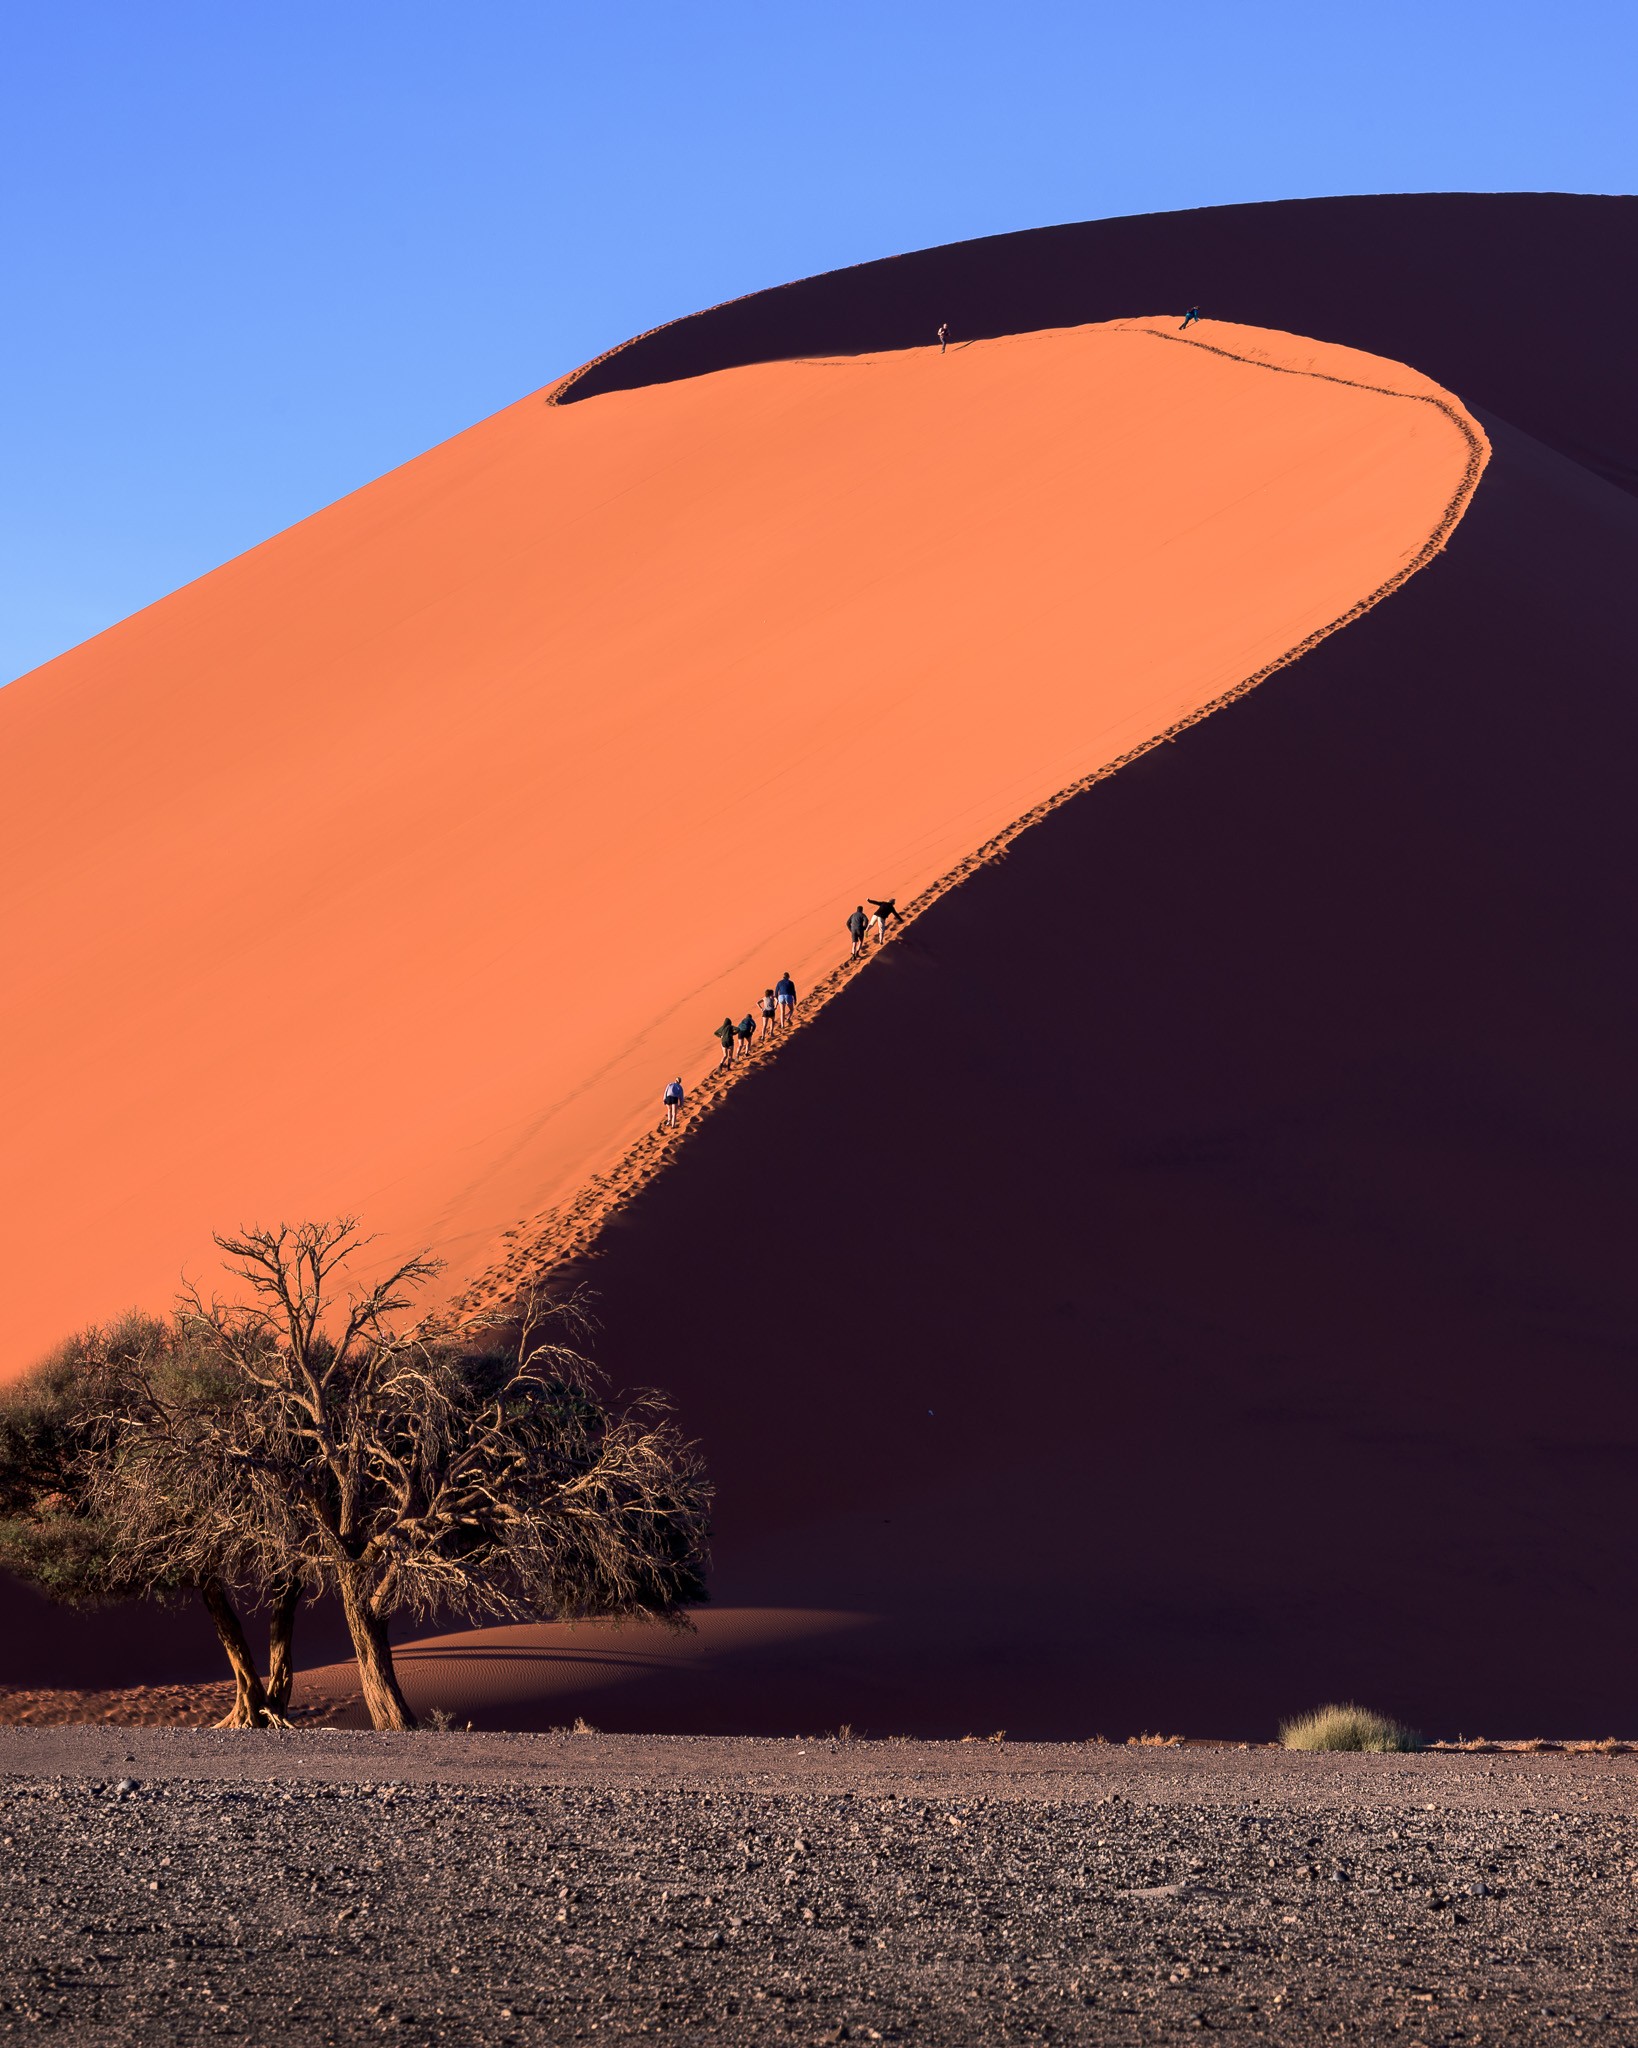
1189	318
673	1102
785	997
768	1007
745	1032
886	911
725	1038
943	336
856	923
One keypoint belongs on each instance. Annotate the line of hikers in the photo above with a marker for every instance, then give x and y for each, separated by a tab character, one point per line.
943	335
777	1006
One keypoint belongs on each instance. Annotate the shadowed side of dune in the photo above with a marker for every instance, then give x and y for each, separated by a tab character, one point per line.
1188	1278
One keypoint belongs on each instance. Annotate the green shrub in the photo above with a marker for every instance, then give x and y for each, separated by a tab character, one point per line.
1347	1727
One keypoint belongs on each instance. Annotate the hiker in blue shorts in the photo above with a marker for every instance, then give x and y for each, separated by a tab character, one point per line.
673	1102
785	997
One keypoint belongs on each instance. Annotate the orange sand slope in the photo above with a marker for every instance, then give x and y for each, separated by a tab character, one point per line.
549	1674
395	866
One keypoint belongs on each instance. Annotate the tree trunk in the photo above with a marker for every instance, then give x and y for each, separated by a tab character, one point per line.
387	1705
281	1633
250	1697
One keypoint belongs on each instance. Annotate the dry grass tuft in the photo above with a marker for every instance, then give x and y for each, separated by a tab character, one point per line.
1347	1726
1148	1741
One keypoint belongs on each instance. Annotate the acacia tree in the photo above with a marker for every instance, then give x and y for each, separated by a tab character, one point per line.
83	1521
473	1469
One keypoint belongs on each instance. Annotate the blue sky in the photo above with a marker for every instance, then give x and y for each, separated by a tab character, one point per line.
256	254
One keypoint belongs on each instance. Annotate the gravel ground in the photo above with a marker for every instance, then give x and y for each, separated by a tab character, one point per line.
329	1887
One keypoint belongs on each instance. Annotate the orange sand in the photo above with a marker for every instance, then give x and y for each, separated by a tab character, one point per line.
546	1674
396	865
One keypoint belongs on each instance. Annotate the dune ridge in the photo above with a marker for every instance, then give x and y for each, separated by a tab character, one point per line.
569	1231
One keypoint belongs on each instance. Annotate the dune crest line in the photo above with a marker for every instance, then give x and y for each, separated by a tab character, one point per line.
567	1231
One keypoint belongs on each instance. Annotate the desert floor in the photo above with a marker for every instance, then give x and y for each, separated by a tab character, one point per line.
336	1887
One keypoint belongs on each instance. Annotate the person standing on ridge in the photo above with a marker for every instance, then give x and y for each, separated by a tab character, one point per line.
745	1032
1189	318
725	1038
856	930
943	336
886	912
673	1102
785	997
767	1013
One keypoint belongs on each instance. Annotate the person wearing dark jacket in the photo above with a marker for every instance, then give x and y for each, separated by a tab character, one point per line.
725	1038
785	997
745	1032
886	912
856	930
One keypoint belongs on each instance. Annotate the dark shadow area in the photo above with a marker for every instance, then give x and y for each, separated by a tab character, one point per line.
1188	1278
46	1645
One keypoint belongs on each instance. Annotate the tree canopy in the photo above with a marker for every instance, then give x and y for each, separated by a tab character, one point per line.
291	1438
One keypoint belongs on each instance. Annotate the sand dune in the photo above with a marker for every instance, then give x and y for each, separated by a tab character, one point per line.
396	865
1186	1278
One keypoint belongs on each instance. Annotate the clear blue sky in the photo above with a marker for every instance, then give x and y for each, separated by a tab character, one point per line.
257	251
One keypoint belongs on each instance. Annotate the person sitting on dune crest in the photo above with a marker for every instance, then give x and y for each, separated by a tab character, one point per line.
725	1038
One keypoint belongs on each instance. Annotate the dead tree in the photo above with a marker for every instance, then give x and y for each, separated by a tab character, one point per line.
432	1467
